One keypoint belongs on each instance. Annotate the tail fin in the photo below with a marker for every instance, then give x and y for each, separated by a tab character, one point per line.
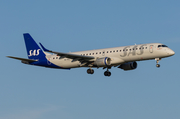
33	50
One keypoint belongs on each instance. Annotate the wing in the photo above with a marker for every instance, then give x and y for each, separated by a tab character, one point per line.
75	57
22	59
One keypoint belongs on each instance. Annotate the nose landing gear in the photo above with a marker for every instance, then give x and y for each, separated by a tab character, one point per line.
157	61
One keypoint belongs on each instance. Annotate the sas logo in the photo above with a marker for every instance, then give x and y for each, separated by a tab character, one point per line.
34	52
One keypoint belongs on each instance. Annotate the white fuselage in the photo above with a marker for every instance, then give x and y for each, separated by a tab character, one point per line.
118	55
123	57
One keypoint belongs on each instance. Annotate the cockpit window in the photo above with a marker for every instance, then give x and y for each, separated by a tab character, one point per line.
162	46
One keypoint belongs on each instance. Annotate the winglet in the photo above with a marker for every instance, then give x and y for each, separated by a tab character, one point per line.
44	48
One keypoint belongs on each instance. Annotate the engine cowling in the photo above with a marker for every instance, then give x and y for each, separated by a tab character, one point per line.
100	62
128	66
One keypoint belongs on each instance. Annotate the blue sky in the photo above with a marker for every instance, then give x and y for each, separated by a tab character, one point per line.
39	93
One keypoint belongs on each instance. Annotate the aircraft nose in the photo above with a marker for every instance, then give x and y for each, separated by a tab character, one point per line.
171	52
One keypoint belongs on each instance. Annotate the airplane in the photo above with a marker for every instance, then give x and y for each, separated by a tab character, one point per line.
125	57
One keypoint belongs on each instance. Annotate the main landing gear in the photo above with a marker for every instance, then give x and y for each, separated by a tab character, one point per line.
106	73
90	71
157	61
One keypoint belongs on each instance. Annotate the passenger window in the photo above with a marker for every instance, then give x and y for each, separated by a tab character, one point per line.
99	52
89	53
126	49
117	51
110	51
120	50
107	51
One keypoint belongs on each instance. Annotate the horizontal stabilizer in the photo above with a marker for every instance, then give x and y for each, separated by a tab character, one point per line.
22	59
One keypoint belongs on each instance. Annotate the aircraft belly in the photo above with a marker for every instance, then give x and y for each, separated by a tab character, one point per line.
66	64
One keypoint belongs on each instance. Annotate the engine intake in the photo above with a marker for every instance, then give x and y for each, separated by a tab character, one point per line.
100	62
128	66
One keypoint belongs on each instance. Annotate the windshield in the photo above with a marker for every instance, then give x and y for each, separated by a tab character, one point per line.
162	46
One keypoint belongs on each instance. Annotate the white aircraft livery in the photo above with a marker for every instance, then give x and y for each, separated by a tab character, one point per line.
121	57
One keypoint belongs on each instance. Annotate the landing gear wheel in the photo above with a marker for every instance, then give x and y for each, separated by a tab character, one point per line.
158	65
107	73
90	71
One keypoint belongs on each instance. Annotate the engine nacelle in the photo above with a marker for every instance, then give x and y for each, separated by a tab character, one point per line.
100	62
128	66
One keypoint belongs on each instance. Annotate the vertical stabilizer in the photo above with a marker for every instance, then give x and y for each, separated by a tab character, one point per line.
33	50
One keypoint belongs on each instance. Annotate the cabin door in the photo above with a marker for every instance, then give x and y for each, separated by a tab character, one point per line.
151	48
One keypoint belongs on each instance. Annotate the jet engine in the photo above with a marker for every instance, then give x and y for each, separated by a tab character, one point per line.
100	62
128	66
